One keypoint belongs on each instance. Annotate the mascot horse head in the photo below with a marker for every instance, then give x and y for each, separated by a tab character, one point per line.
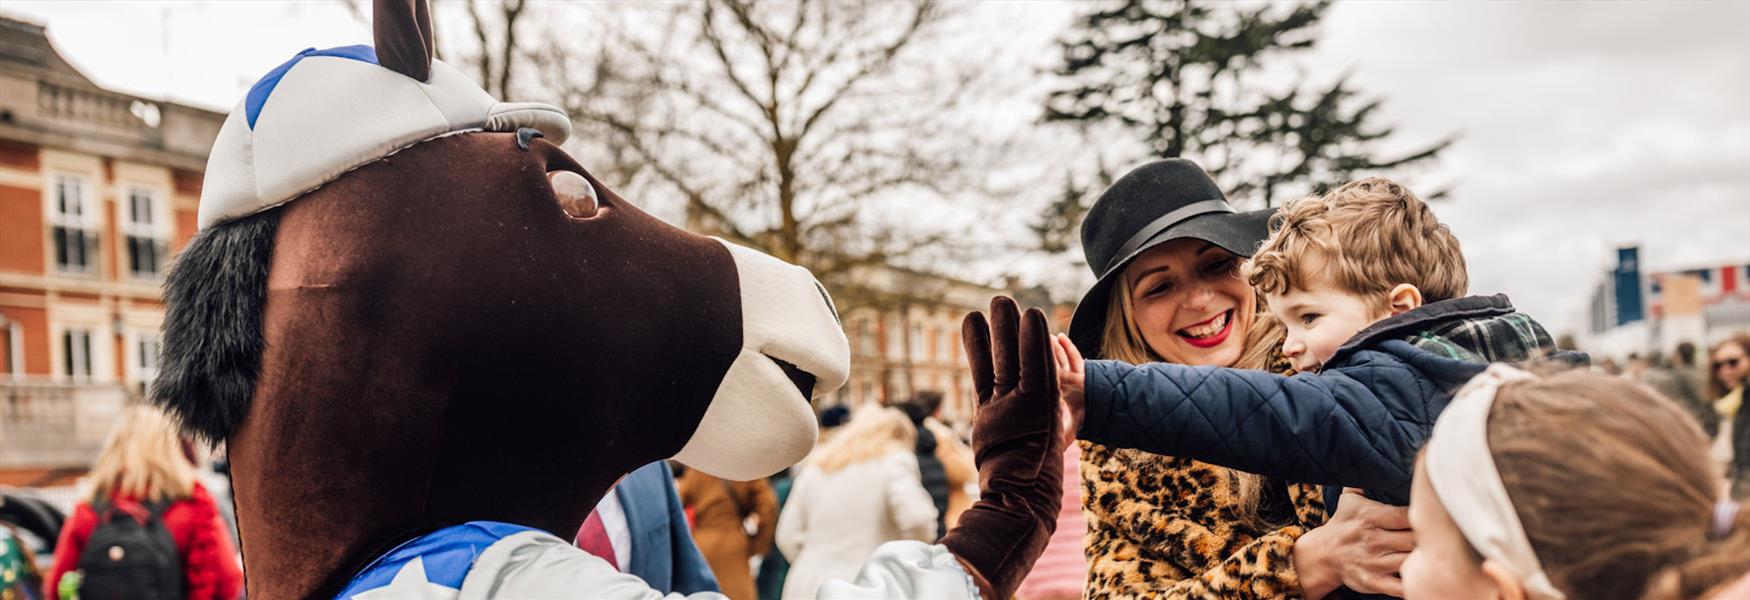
407	308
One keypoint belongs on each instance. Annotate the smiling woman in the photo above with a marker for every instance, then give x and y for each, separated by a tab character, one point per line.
1168	248
1186	302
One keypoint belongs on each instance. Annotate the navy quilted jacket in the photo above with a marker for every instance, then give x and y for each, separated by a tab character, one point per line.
1357	423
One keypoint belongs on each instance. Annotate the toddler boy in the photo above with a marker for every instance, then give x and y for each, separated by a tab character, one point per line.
1371	288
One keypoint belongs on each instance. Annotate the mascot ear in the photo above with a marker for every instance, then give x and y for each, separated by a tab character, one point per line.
403	36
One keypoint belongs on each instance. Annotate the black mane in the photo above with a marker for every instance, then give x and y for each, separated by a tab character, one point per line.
212	340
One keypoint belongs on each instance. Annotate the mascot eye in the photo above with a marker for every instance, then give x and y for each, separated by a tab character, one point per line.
576	196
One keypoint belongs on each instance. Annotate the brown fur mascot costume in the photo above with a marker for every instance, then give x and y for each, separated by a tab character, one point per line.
431	340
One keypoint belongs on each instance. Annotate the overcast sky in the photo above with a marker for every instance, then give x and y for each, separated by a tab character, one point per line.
1583	126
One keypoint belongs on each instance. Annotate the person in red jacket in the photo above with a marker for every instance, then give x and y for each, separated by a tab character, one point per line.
143	461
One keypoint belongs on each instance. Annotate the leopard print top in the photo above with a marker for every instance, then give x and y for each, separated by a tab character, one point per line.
1165	527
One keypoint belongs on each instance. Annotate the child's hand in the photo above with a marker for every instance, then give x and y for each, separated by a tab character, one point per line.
1071	383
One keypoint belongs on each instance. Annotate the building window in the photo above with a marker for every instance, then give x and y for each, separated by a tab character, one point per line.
76	353
917	342
148	234
75	221
865	337
895	331
15	349
146	361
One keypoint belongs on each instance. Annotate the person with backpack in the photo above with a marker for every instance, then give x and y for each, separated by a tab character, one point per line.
147	529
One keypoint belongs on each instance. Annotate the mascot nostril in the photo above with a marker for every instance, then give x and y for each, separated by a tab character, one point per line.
425	376
526	136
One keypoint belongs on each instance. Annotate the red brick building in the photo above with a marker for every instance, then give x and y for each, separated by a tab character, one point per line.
907	338
97	190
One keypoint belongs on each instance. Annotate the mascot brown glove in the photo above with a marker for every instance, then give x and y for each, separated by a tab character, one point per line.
1018	447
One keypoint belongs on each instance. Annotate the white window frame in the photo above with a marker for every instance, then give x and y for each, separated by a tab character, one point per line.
88	220
143	360
15	350
72	341
895	336
866	337
918	353
157	231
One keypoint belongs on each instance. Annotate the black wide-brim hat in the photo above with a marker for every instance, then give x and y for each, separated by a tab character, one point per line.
1151	205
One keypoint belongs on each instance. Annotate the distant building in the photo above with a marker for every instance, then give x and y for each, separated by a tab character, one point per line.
904	330
1635	310
97	190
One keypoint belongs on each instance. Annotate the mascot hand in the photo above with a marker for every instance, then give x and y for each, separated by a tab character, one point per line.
1018	445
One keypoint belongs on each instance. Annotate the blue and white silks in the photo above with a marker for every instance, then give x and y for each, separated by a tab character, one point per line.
485	559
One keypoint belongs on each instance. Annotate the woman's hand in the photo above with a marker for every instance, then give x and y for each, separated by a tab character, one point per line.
1361	547
1072	379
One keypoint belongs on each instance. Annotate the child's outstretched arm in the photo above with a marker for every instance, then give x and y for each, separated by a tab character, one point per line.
1344	427
1071	383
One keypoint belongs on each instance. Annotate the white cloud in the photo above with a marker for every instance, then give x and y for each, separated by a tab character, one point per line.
1583	126
201	53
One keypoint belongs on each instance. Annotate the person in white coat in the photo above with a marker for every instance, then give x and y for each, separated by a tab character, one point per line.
854	494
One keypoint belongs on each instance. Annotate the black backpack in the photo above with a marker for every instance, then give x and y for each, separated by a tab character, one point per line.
131	554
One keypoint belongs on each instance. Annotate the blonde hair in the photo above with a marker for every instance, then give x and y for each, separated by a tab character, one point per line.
1368	236
872	433
1614	487
1122	340
142	458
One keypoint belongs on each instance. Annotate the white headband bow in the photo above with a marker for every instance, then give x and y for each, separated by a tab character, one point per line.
1462	471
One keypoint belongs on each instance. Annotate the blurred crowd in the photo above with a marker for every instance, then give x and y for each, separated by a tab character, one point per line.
882	473
1711	388
879	474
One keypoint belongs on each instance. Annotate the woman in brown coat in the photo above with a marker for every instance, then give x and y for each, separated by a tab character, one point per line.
719	508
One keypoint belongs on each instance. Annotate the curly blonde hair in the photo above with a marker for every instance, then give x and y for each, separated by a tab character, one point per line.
872	433
1368	236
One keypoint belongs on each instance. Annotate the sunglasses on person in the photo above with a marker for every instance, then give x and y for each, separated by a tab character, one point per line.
1733	362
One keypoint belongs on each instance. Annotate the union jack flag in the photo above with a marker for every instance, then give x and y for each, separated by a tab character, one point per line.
1718	284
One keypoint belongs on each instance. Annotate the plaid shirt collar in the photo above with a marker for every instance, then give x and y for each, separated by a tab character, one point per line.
1473	328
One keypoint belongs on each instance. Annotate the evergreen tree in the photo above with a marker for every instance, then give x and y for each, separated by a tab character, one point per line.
1058	226
1180	74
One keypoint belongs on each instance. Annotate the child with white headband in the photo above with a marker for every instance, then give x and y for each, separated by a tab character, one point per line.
1578	485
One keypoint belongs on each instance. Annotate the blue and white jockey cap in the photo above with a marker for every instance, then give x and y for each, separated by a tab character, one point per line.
326	112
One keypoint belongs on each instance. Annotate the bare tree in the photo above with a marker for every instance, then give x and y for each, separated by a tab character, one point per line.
495	30
808	130
816	131
494	48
